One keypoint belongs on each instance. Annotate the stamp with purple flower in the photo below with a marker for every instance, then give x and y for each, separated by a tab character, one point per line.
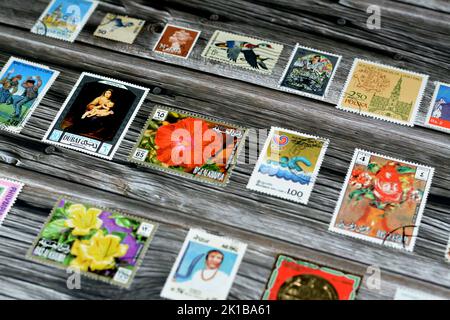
9	190
104	244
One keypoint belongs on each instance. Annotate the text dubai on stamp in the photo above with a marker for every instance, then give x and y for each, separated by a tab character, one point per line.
64	19
309	72
189	145
383	92
382	200
119	28
9	190
100	243
243	51
96	115
23	85
439	111
205	267
293	279
177	41
288	165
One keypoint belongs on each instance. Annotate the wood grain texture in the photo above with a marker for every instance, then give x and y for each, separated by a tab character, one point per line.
414	35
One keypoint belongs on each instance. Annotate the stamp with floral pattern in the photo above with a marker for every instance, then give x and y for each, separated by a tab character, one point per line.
383	92
293	279
288	165
382	200
243	51
64	19
9	190
205	267
189	145
100	243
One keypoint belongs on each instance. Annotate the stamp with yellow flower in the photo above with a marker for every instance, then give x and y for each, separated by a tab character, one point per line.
102	243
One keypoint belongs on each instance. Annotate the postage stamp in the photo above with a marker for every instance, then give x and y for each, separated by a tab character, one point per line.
293	279
9	190
96	115
119	28
23	84
177	41
383	92
189	145
439	111
64	19
243	51
447	252
205	267
382	200
309	72
288	165
101	243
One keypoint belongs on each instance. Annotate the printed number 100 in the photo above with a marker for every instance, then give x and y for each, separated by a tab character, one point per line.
295	193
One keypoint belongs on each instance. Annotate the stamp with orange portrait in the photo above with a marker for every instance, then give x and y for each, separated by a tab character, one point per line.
177	41
383	92
382	200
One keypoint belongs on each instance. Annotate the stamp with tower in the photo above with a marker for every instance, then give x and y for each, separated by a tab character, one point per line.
383	92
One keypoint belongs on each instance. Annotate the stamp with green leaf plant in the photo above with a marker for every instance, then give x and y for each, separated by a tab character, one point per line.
101	243
189	145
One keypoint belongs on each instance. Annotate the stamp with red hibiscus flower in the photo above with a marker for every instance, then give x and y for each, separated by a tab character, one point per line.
189	145
382	200
100	243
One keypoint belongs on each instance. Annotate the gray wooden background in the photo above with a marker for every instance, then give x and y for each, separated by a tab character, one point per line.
414	35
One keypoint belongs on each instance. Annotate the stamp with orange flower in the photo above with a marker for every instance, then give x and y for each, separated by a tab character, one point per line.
177	41
383	92
189	145
382	200
100	243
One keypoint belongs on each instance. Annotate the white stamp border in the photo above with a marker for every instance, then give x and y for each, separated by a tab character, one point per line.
80	25
302	93
415	109
326	142
174	55
427	123
447	251
38	100
419	216
241	145
95	34
20	186
124	131
234	66
88	274
242	247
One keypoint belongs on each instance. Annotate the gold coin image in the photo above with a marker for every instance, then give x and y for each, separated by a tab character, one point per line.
307	287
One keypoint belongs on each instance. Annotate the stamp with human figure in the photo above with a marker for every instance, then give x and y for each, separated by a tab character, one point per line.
243	51
205	267
288	165
119	28
177	41
23	84
439	111
189	145
383	92
100	243
64	19
294	279
382	200
96	115
9	190
309	72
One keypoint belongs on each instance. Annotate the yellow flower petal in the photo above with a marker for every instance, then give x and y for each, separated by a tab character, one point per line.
83	221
